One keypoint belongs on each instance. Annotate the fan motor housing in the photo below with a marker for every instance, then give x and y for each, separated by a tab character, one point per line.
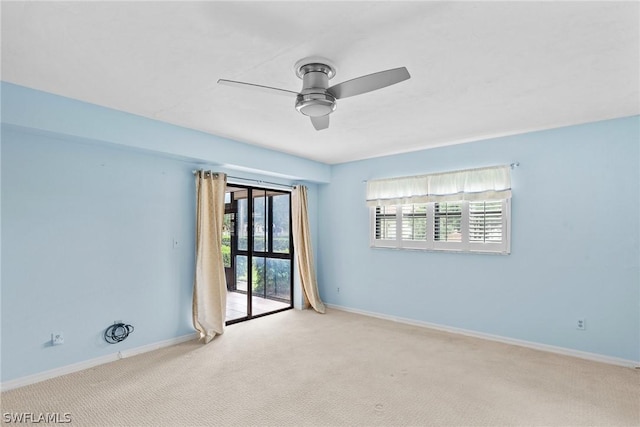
314	100
315	104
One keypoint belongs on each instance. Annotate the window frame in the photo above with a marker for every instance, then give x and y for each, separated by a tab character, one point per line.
430	244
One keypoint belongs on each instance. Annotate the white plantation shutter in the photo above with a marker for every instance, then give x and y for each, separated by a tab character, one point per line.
466	211
448	222
385	223
486	222
414	222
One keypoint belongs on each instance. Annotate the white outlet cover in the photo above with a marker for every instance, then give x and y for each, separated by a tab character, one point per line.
57	338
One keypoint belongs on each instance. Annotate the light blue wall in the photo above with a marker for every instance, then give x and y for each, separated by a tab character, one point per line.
88	225
32	109
92	199
87	239
575	220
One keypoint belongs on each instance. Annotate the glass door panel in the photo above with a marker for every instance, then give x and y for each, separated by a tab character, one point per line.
281	223
242	218
260	221
278	279
271	285
260	253
236	209
227	242
242	273
237	307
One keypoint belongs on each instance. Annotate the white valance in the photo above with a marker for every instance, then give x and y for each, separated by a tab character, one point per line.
492	183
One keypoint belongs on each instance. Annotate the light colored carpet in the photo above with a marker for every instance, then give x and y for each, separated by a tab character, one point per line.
301	368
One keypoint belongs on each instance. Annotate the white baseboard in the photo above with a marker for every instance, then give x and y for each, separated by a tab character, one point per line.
522	343
75	367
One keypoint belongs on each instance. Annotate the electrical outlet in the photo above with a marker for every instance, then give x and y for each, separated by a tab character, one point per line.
338	290
57	338
580	324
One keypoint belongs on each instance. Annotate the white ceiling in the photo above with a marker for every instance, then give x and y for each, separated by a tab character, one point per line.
479	69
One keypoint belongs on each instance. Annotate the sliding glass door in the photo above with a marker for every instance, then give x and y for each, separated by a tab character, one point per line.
258	242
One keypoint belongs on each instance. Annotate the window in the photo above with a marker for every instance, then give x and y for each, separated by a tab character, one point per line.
478	226
464	211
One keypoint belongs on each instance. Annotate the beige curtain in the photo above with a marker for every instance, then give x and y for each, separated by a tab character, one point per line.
209	286
303	249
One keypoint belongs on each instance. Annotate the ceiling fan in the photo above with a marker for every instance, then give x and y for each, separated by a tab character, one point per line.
316	99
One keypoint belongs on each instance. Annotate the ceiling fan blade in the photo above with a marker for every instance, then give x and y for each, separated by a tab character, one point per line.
321	122
269	89
369	82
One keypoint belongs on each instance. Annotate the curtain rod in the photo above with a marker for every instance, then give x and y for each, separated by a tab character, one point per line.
259	181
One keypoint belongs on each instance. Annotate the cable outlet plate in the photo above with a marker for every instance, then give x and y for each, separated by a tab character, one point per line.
57	338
